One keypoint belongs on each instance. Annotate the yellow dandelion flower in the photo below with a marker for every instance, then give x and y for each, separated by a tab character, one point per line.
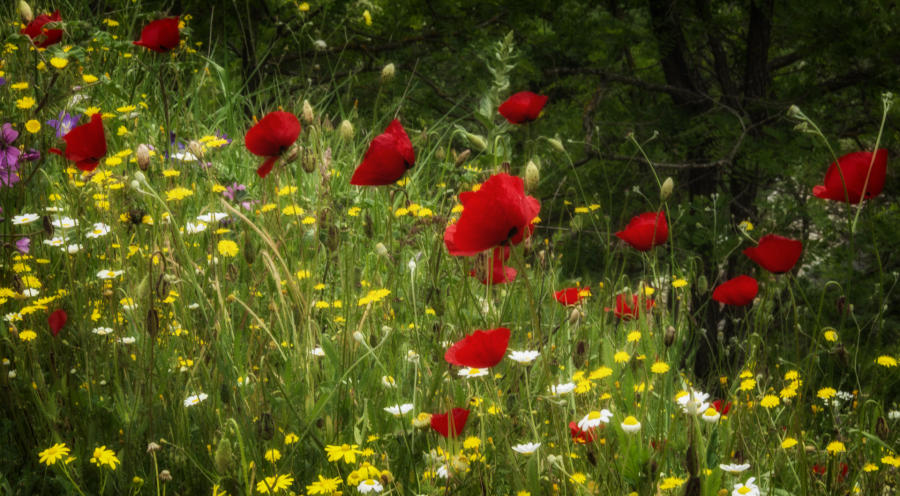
835	447
659	368
272	455
367	17
274	484
89	78
33	126
59	63
292	210
788	443
227	248
25	103
826	393
27	335
621	357
886	361
103	456
291	438
19	86
345	452
770	401
671	483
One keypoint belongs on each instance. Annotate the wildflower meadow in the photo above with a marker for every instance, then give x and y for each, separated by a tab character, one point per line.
223	285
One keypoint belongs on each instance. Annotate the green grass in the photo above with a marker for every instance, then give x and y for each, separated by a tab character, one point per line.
239	321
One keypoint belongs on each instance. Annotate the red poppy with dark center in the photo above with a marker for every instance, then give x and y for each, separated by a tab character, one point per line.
522	107
499	273
389	156
57	320
859	171
442	424
160	36
738	291
721	407
481	349
499	213
645	231
580	436
270	137
775	253
571	296
85	144
626	311
41	36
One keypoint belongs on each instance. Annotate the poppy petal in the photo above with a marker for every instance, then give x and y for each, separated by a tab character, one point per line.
57	320
738	291
856	171
266	167
522	107
86	144
273	134
645	231
388	157
481	349
161	35
775	253
441	423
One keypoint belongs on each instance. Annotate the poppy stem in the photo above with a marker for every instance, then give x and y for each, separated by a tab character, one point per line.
886	103
165	96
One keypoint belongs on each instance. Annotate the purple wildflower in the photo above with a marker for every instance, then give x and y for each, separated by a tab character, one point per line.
233	191
23	245
9	156
31	155
64	123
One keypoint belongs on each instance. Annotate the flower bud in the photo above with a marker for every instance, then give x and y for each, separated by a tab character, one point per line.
387	73
346	130
308	160
143	156
223	456
135	184
532	176
669	336
440	154
25	12
381	250
358	337
462	157
196	149
794	112
139	177
665	191
575	316
307	114
320	45
165	476
556	144
478	142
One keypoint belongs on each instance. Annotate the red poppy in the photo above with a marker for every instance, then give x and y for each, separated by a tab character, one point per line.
389	156
41	36
440	423
498	213
522	107
775	253
270	137
858	169
625	311
481	349
645	231
571	296
57	320
160	36
738	291
85	144
500	274
580	436
720	407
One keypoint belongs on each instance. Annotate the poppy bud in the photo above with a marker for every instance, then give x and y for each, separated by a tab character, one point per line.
665	191
387	73
575	316
669	336
346	130
381	250
702	284
25	12
223	457
440	154
139	177
532	176
152	323
143	156
308	161
307	114
478	142
462	157
292	153
556	144
358	337
794	112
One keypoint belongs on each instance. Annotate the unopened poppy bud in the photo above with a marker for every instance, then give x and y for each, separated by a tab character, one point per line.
702	284
387	73
139	177
575	316
794	112
358	337
195	148
346	130
223	457
669	337
462	157
556	144
291	154
25	12
381	250
665	191
143	156
478	142
440	154
308	161
532	176
307	115
135	184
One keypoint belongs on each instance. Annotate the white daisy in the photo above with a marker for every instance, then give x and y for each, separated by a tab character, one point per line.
746	489
526	356
711	415
692	402
398	410
369	485
317	351
193	228
65	223
388	382
594	419
471	372
102	331
212	217
526	448
734	468
566	387
98	231
55	241
194	399
127	340
73	248
630	424
109	274
25	219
